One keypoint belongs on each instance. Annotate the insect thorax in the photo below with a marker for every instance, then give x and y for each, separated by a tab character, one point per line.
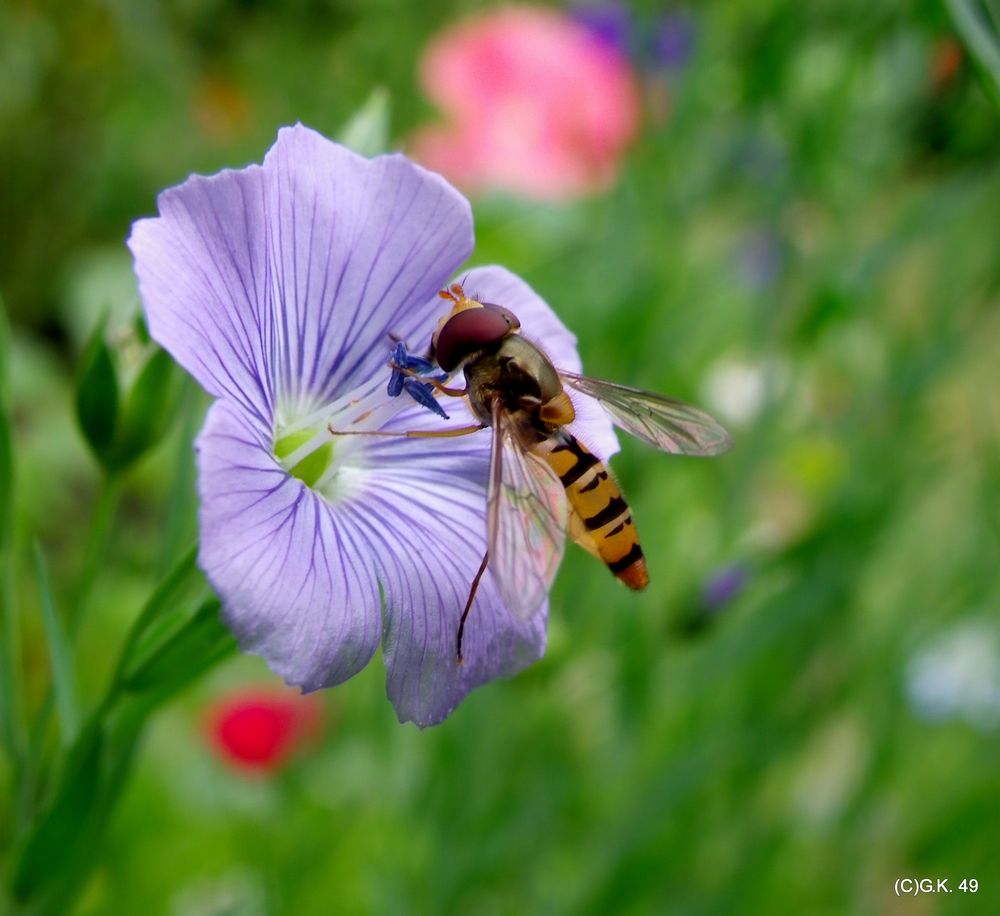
520	375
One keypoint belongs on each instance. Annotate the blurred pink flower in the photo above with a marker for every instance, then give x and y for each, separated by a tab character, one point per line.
256	729
535	105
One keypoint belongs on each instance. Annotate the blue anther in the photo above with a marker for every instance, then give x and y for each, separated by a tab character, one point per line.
396	379
404	364
423	394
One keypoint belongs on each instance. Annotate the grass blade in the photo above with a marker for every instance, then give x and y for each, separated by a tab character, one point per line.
63	676
11	721
979	35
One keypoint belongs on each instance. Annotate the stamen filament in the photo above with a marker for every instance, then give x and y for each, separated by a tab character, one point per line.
367	408
322	415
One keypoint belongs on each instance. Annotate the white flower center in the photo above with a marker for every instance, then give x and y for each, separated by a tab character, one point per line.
323	448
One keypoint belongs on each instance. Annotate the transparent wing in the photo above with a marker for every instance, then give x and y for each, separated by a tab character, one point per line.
664	423
526	521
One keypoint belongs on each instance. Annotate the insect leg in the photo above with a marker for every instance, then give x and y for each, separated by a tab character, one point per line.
468	606
444	389
411	433
492	517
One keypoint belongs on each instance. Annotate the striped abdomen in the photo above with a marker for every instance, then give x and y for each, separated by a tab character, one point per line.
600	519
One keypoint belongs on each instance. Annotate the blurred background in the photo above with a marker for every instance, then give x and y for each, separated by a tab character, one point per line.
786	213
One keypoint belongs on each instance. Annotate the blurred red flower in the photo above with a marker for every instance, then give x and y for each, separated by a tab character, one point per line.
535	105
946	61
258	729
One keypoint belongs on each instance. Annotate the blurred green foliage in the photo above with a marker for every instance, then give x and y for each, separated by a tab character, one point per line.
803	241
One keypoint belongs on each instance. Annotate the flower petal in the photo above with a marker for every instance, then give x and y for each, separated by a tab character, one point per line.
296	580
361	249
204	285
542	327
438	489
279	284
299	579
431	497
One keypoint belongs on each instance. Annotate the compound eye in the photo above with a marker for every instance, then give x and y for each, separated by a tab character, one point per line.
507	314
469	331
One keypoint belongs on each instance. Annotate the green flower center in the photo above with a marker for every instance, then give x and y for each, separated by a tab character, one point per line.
310	468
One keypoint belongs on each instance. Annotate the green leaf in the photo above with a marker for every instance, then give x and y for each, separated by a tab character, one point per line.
149	409
70	830
63	676
367	130
11	718
182	655
4	352
141	330
6	439
977	27
97	397
177	637
56	857
181	524
166	612
6	479
63	832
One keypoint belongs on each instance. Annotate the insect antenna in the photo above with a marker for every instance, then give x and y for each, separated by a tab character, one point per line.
468	606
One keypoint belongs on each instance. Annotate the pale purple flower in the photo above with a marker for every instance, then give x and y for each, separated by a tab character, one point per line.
957	675
723	586
610	22
760	258
279	288
674	42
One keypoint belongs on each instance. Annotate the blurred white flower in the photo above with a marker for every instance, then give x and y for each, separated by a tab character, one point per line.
958	676
737	389
99	284
828	772
237	891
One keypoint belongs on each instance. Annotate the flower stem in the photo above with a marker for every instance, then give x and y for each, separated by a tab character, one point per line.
97	548
30	774
11	700
60	656
11	709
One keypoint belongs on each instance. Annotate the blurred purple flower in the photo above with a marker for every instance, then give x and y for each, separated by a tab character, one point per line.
722	587
610	23
760	258
674	41
278	287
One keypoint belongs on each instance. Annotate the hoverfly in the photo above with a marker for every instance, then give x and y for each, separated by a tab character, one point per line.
543	482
